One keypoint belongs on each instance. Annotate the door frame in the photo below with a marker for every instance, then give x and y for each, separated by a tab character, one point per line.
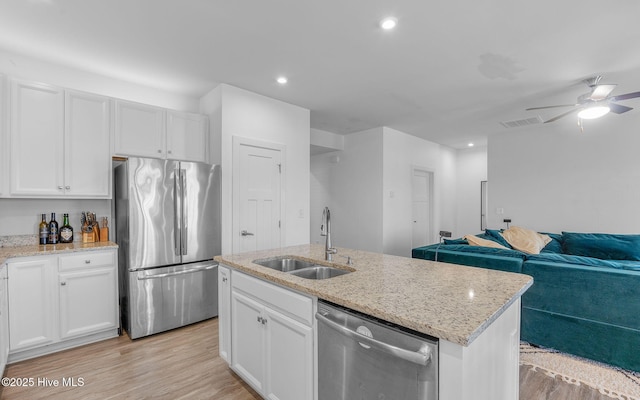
431	232
238	141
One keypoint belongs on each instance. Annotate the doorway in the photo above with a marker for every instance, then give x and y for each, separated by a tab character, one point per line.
257	196
422	206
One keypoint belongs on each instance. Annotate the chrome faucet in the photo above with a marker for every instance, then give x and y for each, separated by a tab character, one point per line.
325	230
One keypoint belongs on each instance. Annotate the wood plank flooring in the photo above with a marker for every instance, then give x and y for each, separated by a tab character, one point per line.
184	364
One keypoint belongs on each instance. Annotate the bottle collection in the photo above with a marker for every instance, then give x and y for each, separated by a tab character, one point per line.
51	233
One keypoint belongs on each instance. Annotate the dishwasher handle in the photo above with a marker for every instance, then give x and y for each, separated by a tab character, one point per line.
182	272
419	358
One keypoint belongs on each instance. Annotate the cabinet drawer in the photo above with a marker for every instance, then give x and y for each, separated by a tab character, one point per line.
288	302
88	259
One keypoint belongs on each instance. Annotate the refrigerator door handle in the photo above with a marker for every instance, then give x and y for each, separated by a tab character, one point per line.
184	231
176	216
142	277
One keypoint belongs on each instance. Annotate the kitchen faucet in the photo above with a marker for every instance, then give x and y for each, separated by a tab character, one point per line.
325	230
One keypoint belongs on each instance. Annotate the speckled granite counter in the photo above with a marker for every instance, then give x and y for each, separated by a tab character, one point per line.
40	250
451	302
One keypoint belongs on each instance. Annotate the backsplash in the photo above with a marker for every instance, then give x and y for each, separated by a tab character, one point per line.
18	240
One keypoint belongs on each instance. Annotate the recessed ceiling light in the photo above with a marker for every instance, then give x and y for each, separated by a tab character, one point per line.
388	23
282	80
470	145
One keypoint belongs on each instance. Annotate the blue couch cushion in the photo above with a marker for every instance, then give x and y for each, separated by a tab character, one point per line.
602	245
494	234
588	261
555	245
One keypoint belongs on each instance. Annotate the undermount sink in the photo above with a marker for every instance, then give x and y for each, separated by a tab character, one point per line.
285	264
301	268
319	272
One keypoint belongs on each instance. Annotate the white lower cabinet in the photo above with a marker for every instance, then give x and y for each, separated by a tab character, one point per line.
57	302
4	319
224	312
272	338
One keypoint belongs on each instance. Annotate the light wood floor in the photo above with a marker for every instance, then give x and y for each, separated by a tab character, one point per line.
184	364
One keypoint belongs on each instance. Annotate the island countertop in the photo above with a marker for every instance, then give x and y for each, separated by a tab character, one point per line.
448	301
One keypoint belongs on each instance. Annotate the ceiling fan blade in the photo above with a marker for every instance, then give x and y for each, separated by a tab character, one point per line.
626	96
561	115
542	108
600	92
618	108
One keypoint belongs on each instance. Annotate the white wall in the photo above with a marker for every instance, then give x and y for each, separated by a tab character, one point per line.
356	184
471	170
554	178
401	153
237	112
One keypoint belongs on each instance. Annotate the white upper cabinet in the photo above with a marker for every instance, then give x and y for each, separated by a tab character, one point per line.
148	131
139	130
4	139
37	131
87	167
186	136
59	142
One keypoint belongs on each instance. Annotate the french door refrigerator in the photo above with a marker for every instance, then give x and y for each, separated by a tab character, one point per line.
168	230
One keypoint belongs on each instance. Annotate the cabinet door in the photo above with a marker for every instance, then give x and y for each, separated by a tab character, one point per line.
289	348
4	319
37	128
186	136
247	341
4	139
87	167
139	130
88	301
31	305
224	312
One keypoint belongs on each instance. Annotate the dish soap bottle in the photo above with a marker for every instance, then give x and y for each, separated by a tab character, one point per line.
66	232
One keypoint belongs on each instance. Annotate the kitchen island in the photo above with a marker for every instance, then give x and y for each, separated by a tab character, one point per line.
474	312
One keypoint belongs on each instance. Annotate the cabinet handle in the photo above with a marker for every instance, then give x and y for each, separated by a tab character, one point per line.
63	283
224	279
159	151
59	187
67	187
87	261
169	151
264	321
259	319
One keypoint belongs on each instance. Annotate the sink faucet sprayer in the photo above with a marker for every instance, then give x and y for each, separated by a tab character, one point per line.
325	230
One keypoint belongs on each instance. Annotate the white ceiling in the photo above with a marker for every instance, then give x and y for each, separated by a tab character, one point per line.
449	73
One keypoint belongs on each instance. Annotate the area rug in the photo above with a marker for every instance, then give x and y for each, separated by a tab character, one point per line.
611	381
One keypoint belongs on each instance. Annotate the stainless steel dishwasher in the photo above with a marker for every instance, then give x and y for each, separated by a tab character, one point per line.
360	357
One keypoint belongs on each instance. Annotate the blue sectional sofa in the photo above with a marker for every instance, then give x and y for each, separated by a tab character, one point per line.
585	299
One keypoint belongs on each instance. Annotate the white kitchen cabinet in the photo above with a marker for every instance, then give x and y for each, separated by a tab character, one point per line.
139	130
4	137
4	319
147	131
37	146
87	289
59	142
272	338
58	302
32	305
186	136
87	154
224	312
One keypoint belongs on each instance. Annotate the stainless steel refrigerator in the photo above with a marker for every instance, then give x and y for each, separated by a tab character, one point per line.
168	230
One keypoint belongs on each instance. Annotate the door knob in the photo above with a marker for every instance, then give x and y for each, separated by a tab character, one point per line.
245	233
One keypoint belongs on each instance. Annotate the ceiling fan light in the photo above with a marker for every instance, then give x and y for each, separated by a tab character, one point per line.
594	112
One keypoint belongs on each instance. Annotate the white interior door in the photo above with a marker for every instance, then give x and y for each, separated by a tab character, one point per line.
258	173
422	183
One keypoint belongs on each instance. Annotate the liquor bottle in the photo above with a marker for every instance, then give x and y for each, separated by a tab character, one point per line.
66	232
43	230
53	230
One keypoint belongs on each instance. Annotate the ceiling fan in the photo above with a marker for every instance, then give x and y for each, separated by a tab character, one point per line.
594	104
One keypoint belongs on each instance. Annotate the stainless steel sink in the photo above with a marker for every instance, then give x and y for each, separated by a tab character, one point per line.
301	268
319	272
285	264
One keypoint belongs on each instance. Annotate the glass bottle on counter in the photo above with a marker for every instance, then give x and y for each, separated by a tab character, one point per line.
66	232
43	230
53	230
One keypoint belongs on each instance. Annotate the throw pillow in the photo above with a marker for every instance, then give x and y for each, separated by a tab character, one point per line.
602	245
525	240
476	241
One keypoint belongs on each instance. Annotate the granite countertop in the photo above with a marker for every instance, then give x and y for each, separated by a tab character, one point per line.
40	250
451	302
